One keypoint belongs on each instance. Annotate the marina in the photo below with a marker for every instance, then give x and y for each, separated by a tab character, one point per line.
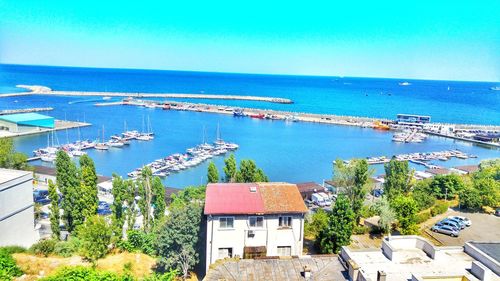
421	158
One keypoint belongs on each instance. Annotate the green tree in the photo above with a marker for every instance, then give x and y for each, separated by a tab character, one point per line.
230	168
8	267
213	173
260	176
470	198
423	195
95	235
178	238
446	186
123	207
489	191
247	171
88	193
406	212
398	178
316	223
11	159
158	199
340	227
54	210
386	215
68	183
145	190
188	195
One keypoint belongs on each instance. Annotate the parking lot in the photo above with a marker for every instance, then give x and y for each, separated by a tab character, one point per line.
484	228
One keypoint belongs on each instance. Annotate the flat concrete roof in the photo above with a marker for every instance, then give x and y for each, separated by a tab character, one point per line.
8	174
323	267
492	249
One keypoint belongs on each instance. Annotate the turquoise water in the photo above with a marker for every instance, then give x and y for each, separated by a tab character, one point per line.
291	152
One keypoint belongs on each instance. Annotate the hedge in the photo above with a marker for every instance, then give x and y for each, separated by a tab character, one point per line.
439	208
422	217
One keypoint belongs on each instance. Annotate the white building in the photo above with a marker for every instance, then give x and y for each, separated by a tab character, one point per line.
16	208
253	219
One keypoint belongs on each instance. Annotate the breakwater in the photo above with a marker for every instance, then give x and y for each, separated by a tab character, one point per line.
42	90
25	110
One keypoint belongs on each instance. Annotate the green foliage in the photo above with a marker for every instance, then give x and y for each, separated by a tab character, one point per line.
43	247
177	243
123	207
316	223
489	190
406	212
386	215
54	210
140	241
423	195
230	168
8	267
247	171
352	179
470	198
168	276
188	195
213	173
423	217
367	211
88	192
68	184
67	248
339	229
360	229
13	249
95	235
439	208
398	178
446	186
11	159
151	193
81	273
158	200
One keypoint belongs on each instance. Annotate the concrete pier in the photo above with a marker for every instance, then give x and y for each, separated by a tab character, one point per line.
26	110
59	125
42	90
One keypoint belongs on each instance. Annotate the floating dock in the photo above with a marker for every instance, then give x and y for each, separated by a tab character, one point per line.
419	158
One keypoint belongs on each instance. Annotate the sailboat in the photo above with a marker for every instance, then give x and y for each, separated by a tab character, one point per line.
148	135
102	145
221	144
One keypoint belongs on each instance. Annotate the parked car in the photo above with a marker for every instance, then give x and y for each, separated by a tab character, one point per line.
446	229
460	223
318	199
465	220
447	222
326	199
309	203
497	212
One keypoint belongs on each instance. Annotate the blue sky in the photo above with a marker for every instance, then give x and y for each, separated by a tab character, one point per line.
456	40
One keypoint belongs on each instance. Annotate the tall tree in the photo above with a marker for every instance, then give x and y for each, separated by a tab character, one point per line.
178	238
213	173
339	229
158	199
247	171
91	178
446	186
11	159
68	184
54	210
118	207
398	178
88	188
146	197
260	176
386	215
230	168
406	212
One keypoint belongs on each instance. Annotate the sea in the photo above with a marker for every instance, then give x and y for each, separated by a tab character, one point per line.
291	152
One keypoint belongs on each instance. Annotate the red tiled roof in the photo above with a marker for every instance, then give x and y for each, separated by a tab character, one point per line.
238	198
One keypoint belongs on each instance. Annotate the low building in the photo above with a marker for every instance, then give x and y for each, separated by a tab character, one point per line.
414	258
250	220
468	169
17	221
26	122
307	189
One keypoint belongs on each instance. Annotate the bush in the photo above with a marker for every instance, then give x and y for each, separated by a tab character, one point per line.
13	249
422	217
67	248
44	247
140	241
80	273
8	267
470	198
360	229
439	208
124	245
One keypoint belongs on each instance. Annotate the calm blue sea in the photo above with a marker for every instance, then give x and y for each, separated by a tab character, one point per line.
291	152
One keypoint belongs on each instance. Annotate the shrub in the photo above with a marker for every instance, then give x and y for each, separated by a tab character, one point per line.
124	245
13	249
8	267
470	198
439	208
488	210
44	247
422	217
140	241
67	248
360	229
80	273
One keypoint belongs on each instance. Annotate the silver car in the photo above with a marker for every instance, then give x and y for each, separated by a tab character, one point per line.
464	220
446	229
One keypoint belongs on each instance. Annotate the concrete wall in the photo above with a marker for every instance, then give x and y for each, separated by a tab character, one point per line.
481	257
17	209
270	235
391	247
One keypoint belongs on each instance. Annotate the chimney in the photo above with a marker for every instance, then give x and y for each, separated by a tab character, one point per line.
381	275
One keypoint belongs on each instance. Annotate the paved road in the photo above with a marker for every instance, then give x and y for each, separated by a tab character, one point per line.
484	228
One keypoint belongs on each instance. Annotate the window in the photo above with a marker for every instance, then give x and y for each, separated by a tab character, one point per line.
285	221
225	253
256	221
226	222
284	251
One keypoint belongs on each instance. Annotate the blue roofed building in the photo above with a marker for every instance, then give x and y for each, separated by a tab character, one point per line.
26	122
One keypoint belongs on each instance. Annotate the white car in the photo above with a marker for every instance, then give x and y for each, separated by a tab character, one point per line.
464	220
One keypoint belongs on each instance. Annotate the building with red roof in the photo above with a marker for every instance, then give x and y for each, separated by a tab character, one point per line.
253	220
